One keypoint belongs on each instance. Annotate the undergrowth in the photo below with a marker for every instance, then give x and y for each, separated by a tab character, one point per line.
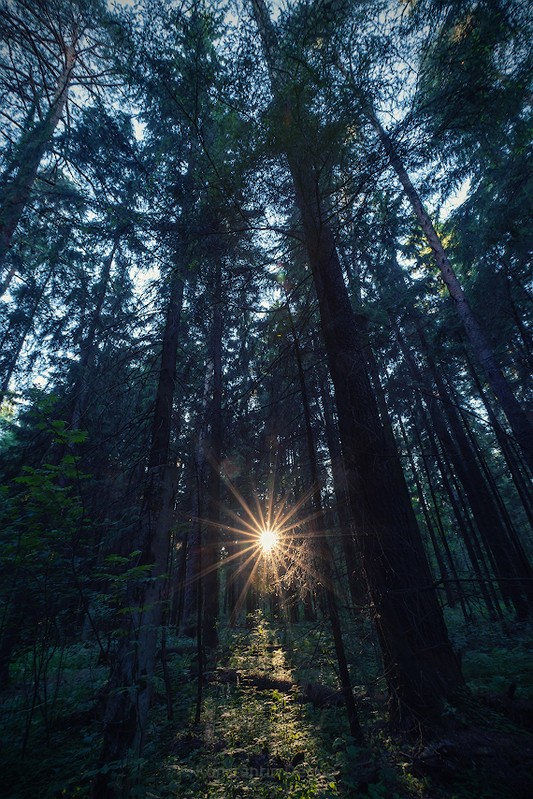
252	741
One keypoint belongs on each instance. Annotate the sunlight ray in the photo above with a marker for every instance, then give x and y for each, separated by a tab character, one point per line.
215	566
242	596
244	564
271	532
238	496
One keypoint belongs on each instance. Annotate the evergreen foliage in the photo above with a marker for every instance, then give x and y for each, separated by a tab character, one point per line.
265	268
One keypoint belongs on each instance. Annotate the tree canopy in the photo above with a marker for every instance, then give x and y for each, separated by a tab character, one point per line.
265	279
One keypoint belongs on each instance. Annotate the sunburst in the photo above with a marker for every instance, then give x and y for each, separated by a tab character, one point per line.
268	540
276	535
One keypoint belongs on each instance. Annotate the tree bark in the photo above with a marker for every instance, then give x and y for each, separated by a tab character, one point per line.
516	416
130	686
211	548
16	193
421	667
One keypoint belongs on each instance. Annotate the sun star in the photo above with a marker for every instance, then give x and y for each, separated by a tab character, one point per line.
268	540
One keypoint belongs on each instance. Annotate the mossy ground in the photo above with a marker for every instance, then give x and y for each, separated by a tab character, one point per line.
266	742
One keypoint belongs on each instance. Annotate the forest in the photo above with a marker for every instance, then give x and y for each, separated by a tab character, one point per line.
266	420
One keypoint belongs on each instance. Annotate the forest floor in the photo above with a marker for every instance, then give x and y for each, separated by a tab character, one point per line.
272	725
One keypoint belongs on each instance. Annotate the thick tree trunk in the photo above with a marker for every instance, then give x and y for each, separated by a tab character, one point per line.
323	550
16	193
421	667
130	686
131	679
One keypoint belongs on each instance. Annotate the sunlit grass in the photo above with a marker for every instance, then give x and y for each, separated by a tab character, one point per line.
255	742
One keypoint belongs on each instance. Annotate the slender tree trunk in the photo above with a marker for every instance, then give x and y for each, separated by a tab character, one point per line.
467	535
443	572
342	501
198	535
511	569
162	418
440	526
192	570
485	467
14	349
14	354
81	385
13	613
16	193
178	586
200	652
421	667
515	541
520	481
211	549
516	416
459	451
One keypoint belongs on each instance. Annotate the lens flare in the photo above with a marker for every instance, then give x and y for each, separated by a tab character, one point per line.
268	540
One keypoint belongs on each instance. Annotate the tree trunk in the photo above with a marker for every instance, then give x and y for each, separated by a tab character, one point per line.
131	678
516	416
16	193
342	501
81	384
192	569
323	550
460	453
211	547
199	537
440	526
14	348
421	667
130	687
162	418
520	481
427	518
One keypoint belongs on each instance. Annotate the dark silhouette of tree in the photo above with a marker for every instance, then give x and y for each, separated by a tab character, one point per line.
421	668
